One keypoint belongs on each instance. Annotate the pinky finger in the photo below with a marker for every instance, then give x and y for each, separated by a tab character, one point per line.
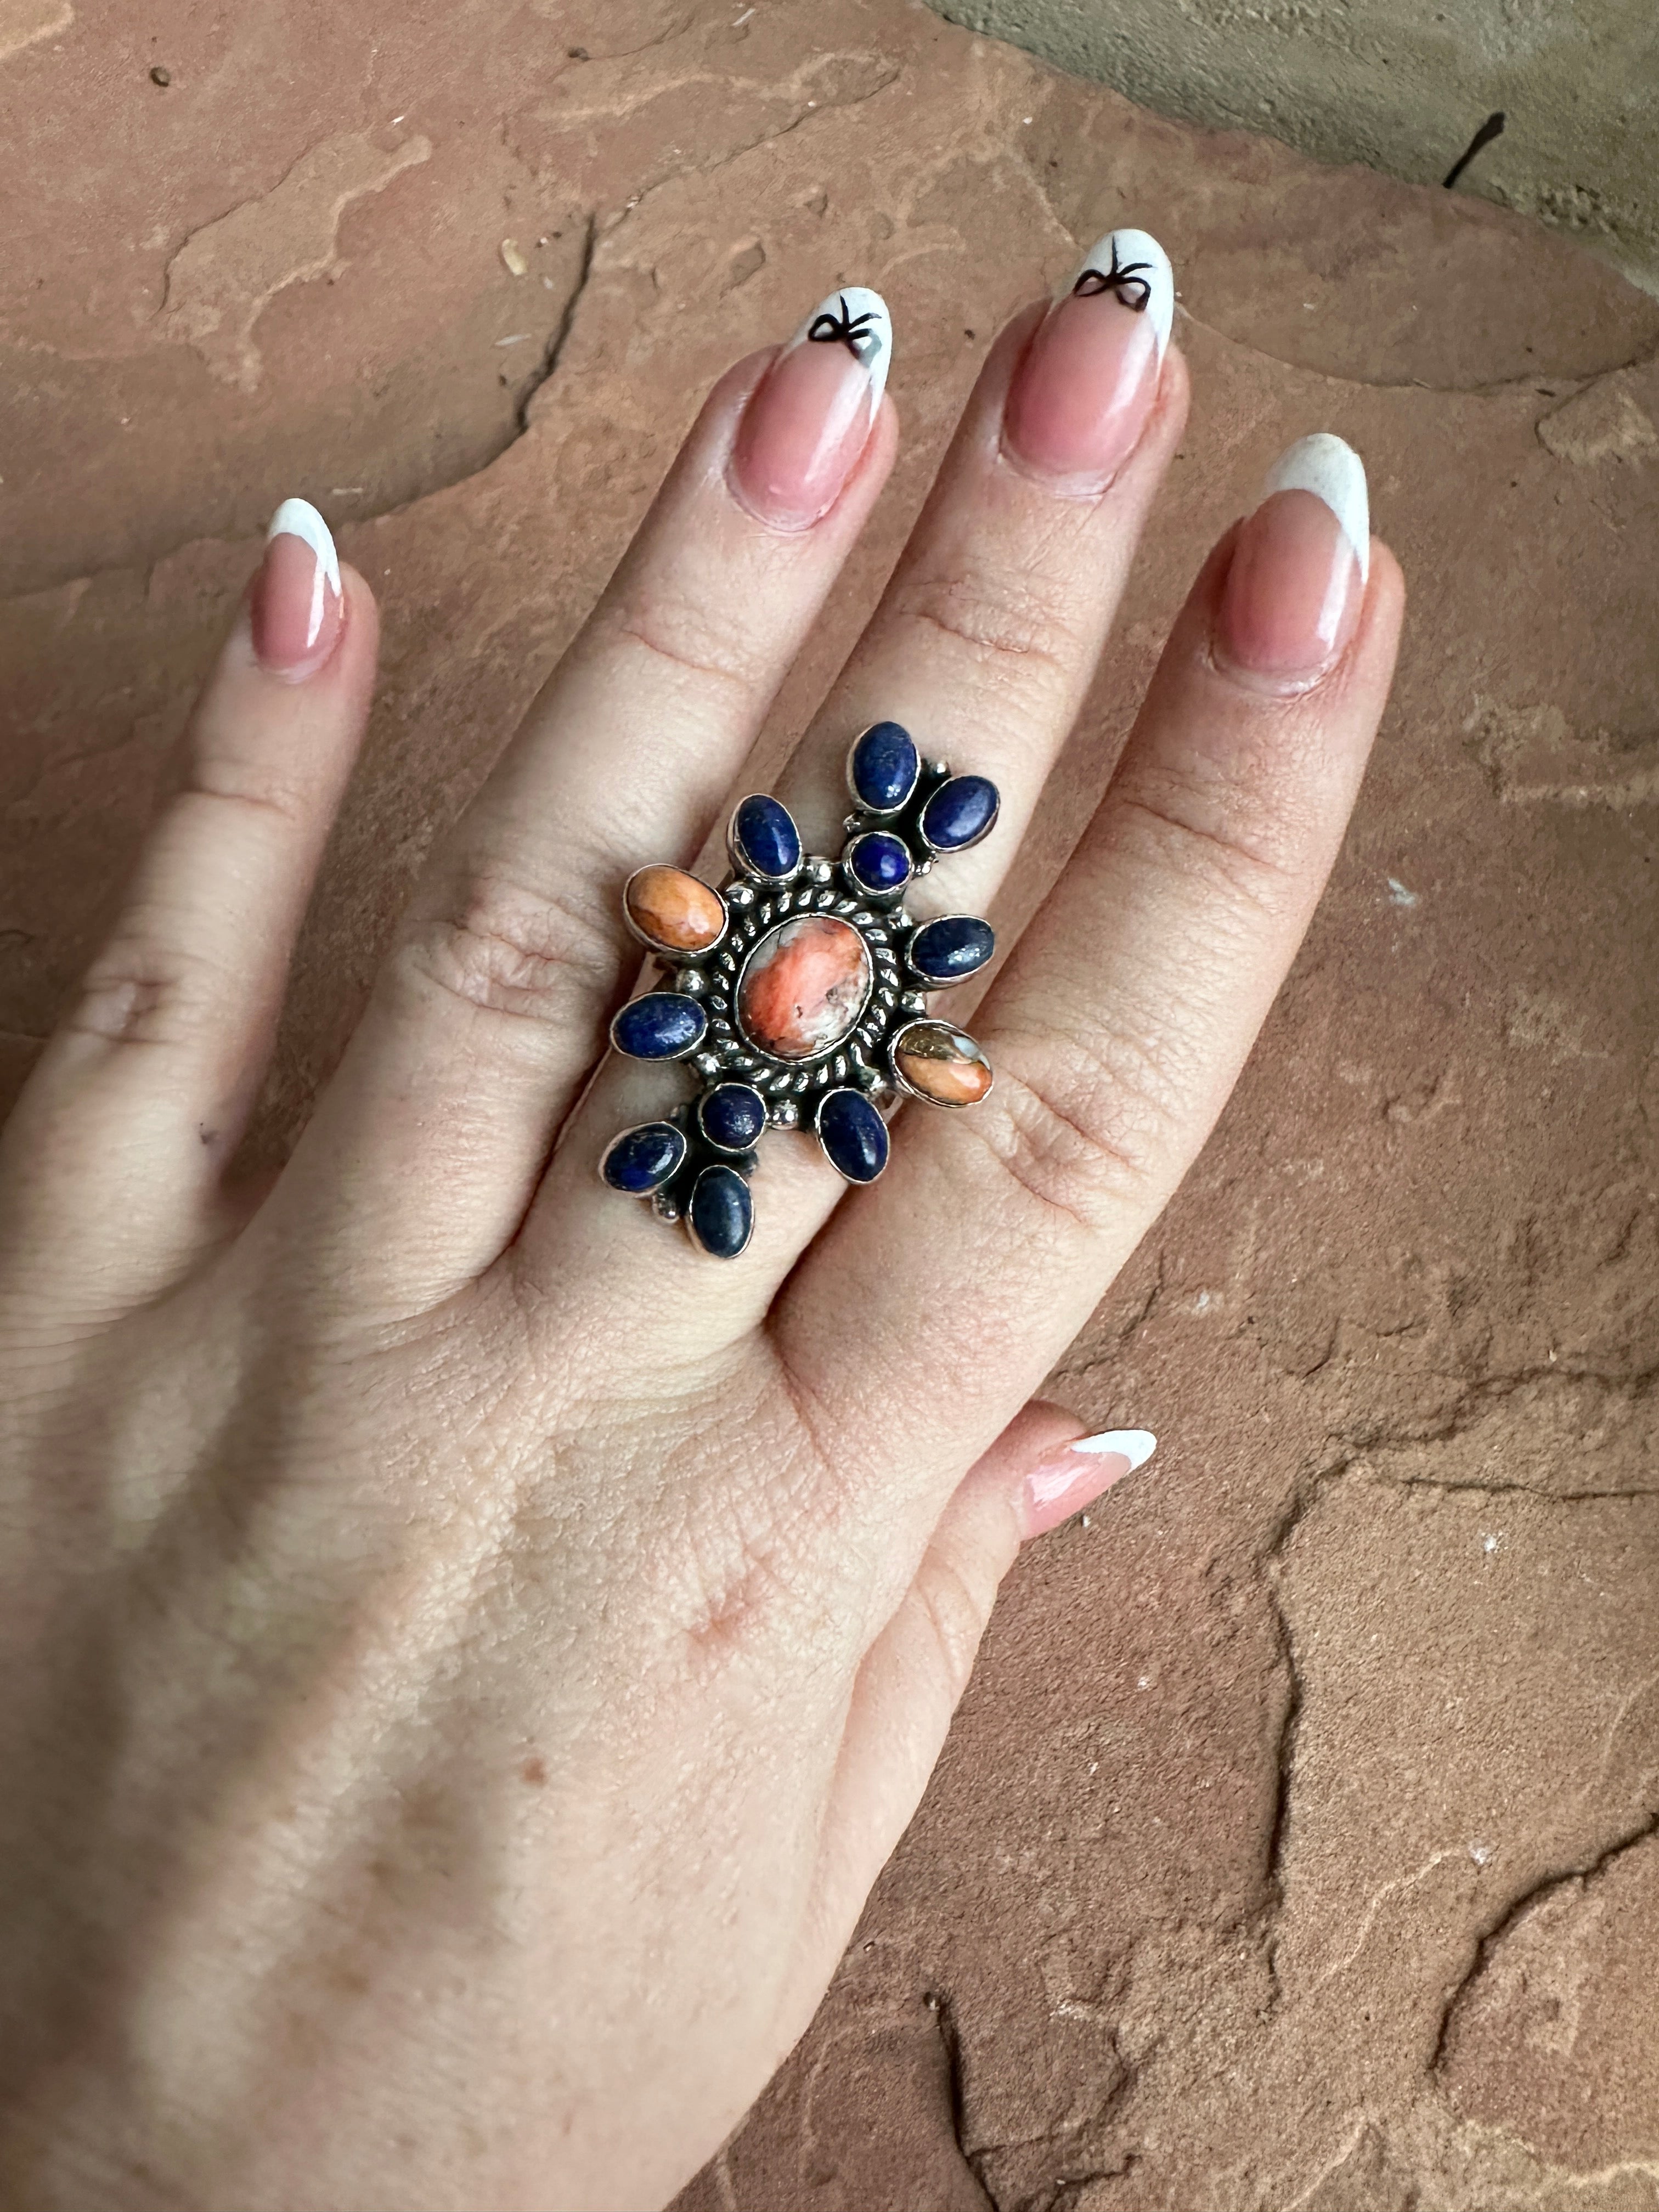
1039	1473
110	1167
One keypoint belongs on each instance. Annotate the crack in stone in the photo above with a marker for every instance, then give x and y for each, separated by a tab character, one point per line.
1512	1489
1487	1942
1278	1831
1477	1397
555	344
945	2019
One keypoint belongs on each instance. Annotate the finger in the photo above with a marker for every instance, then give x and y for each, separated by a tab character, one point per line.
491	1010
115	1154
1041	1471
1120	1025
985	642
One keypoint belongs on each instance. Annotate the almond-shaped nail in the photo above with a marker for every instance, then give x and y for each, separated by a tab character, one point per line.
1075	1475
297	606
1296	581
808	419
1085	385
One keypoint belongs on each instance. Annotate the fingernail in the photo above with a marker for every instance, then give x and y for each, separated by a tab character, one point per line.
808	419
1298	578
1082	392
297	606
1076	1474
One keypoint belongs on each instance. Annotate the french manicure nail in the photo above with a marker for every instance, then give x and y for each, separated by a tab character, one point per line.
1082	392
1075	1475
1296	581
808	419
297	606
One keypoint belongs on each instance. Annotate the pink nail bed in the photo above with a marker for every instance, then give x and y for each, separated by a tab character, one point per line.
297	606
1082	392
1075	1475
809	418
1297	581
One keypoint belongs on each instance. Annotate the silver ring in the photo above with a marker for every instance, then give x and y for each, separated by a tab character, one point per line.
798	990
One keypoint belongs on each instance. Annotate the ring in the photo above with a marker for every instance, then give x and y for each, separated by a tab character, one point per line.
798	990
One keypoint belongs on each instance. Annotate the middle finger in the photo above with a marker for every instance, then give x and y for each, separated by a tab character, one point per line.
983	646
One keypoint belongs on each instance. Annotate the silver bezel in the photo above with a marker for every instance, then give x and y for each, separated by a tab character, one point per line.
878	814
633	1130
854	1182
947	982
690	1229
673	951
950	851
660	1059
924	1097
733	1152
737	853
877	898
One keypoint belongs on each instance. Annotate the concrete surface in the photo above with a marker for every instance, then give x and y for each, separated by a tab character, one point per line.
1299	1843
1400	84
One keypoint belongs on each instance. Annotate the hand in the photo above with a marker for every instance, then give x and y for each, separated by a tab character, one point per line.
467	1653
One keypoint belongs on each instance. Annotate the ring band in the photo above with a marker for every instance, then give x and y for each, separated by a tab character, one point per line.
798	990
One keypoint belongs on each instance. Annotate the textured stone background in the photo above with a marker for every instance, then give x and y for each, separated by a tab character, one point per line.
1400	84
1298	1844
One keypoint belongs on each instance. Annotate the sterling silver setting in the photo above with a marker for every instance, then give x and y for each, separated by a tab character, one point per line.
797	992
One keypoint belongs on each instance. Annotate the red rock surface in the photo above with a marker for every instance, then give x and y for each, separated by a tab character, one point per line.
1295	1844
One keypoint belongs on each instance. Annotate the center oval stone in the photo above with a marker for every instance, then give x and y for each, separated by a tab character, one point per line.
803	988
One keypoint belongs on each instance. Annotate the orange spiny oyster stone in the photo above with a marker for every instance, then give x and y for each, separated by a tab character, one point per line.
673	911
941	1064
804	987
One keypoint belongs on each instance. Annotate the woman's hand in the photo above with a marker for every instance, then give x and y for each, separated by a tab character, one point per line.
467	1654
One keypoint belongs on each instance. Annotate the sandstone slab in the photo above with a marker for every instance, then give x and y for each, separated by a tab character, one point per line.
1274	1782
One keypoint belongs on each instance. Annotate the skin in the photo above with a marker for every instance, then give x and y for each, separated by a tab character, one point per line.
465	1656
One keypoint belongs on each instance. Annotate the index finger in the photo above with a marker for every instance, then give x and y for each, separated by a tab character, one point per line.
1120	1025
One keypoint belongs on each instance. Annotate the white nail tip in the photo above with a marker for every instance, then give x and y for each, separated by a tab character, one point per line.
1136	1445
298	517
1137	255
1328	466
857	318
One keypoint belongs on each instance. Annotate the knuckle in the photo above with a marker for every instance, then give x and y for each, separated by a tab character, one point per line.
1085	1132
692	638
139	991
1245	844
955	1620
511	950
260	800
1010	628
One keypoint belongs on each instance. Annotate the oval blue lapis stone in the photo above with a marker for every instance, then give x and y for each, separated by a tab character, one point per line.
956	945
853	1134
732	1117
959	813
882	767
764	837
879	863
662	1025
721	1214
642	1160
